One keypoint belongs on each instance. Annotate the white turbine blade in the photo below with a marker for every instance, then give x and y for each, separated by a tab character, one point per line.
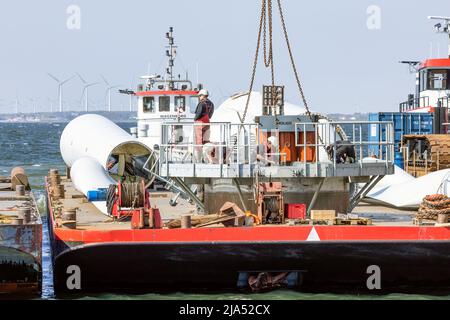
106	81
53	77
82	93
438	18
92	84
68	79
81	78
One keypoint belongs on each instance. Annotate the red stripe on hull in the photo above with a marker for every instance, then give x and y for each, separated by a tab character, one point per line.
258	234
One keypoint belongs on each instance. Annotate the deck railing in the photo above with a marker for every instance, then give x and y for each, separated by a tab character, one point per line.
227	143
327	134
239	143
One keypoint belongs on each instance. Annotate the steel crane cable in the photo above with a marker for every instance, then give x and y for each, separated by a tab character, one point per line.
266	14
255	61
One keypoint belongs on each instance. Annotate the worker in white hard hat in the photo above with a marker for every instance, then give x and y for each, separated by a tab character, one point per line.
203	114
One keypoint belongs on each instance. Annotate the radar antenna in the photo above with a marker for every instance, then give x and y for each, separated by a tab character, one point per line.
442	27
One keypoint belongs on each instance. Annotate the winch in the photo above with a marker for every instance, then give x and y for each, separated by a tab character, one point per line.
131	199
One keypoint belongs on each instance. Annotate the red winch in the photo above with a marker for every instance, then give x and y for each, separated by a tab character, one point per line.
131	199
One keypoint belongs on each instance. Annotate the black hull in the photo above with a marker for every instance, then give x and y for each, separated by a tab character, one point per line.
408	266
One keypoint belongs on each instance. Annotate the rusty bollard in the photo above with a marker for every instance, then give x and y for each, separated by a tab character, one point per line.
25	214
69	217
186	222
59	192
20	190
54	178
18	176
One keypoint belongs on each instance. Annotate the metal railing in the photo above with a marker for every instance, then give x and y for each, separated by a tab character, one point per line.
225	143
327	144
238	144
415	103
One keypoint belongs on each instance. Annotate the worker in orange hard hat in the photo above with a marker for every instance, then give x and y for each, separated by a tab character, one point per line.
203	114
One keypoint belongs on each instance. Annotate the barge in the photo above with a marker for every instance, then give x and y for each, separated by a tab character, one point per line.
20	238
111	232
113	257
265	204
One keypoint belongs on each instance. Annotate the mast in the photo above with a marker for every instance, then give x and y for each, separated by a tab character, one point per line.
443	28
171	53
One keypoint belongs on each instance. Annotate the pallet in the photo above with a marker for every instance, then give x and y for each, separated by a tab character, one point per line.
337	222
423	222
353	222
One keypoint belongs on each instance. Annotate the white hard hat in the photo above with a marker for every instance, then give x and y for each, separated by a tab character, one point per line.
273	140
203	92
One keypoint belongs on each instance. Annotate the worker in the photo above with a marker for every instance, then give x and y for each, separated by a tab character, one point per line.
203	114
267	152
272	149
113	164
286	154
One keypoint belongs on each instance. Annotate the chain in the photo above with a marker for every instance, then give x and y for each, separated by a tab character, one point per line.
268	62
261	33
266	18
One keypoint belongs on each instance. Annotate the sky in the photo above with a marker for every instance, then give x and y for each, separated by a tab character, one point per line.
346	53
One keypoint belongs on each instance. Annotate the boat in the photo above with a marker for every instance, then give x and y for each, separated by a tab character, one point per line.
422	141
281	217
421	123
20	238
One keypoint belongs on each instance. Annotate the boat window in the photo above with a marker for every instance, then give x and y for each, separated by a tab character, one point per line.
180	102
437	80
193	102
164	104
423	80
149	104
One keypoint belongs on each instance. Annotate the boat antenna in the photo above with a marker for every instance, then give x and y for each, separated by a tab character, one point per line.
442	27
171	53
413	65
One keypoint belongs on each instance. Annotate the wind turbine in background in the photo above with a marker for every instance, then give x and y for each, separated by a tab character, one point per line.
108	89
33	104
60	87
85	92
17	104
50	100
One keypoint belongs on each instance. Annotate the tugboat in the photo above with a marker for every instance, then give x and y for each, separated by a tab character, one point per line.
422	122
432	79
426	151
163	98
20	238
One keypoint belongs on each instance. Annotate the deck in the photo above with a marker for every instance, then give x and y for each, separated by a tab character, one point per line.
298	170
90	217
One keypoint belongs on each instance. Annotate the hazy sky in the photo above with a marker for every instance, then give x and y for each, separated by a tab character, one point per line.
344	65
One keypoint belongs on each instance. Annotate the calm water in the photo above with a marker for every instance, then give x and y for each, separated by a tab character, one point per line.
36	148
